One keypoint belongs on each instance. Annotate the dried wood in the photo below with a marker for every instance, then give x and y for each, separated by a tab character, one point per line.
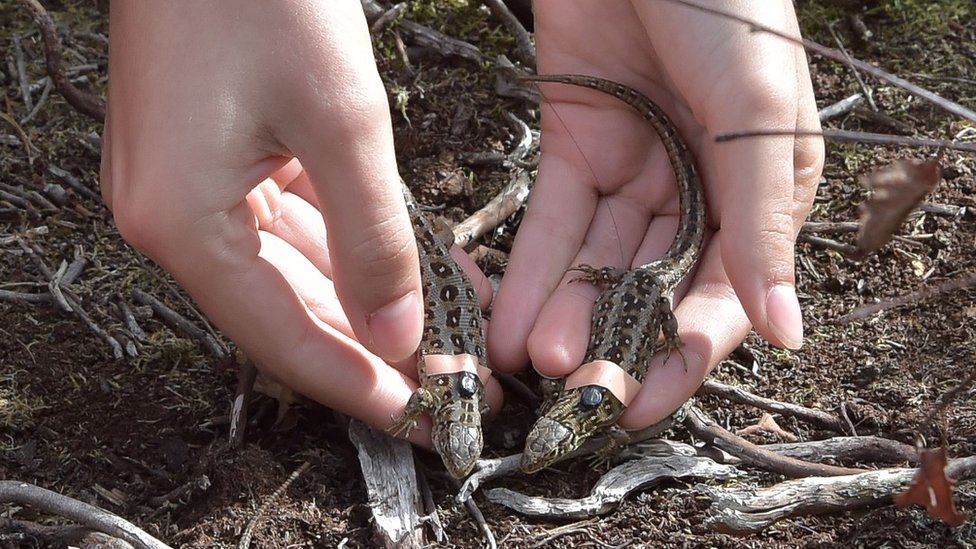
843	106
523	39
426	37
704	428
614	486
499	208
489	469
747	510
31	534
391	486
739	396
867	449
85	102
175	320
96	518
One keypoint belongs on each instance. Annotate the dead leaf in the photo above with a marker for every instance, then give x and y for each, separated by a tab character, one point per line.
767	424
932	489
896	190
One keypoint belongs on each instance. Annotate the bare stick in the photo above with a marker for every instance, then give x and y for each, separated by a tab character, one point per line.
479	519
489	469
22	493
864	311
504	204
427	37
431	517
845	136
857	75
704	428
25	141
175	320
246	374
73	182
841	107
866	449
745	510
201	483
24	297
817	417
830	53
259	516
40	103
387	17
826	243
73	535
523	40
614	486
831	227
86	103
22	79
391	485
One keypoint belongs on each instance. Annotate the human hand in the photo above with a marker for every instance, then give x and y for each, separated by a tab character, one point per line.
606	195
233	127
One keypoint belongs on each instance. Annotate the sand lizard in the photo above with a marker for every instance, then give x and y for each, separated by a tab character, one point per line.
633	309
451	356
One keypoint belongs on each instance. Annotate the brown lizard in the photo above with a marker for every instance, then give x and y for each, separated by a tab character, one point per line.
629	315
451	357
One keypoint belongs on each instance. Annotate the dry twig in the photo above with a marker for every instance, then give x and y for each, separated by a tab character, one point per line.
175	320
86	103
22	493
817	417
746	510
704	428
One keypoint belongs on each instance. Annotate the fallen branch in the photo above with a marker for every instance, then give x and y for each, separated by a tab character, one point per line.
499	208
748	510
391	486
523	39
489	469
247	374
426	37
96	518
704	428
835	55
175	320
817	417
867	449
43	535
614	486
86	103
864	311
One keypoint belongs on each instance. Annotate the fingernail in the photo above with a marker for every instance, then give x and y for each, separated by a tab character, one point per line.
784	316
394	330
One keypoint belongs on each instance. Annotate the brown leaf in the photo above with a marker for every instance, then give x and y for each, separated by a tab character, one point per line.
897	189
932	489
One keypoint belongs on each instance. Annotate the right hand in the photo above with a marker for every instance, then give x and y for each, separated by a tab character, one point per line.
230	126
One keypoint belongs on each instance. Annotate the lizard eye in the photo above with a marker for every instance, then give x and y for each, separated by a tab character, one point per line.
591	397
468	385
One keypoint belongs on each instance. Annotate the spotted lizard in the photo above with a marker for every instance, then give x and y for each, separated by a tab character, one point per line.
634	308
451	358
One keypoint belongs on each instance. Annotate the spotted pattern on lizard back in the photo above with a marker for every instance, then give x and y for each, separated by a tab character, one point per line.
634	308
452	326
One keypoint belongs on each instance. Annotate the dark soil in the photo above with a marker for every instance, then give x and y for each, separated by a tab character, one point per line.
121	433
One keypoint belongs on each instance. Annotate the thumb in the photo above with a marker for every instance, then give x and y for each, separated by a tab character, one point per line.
347	151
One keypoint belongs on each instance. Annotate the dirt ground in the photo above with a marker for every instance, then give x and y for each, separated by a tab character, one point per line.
122	433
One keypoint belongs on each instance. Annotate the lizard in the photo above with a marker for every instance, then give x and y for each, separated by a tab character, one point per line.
451	358
633	309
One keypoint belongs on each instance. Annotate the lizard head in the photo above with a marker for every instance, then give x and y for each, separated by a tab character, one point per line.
572	419
456	433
